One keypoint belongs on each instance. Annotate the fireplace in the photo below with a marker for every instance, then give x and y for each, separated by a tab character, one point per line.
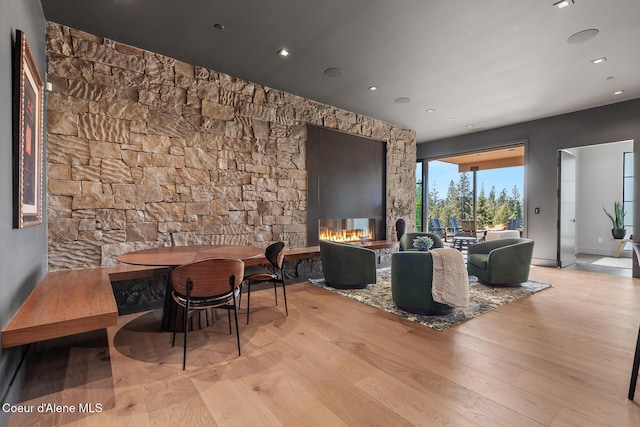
347	229
346	185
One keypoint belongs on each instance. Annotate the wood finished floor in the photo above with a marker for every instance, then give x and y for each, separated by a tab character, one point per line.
561	357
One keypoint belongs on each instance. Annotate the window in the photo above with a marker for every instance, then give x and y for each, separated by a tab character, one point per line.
627	191
498	203
419	196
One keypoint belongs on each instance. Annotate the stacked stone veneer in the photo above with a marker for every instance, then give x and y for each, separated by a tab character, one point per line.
144	151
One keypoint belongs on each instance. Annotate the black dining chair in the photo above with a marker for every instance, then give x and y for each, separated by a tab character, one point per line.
636	358
204	284
275	274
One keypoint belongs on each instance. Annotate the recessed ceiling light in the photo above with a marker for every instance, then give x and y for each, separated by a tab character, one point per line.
283	52
333	72
563	3
583	36
470	126
618	92
402	100
431	110
599	60
372	88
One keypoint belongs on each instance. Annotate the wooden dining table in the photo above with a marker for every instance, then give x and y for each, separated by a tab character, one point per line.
174	256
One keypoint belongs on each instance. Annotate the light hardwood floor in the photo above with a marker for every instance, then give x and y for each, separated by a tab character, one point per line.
561	357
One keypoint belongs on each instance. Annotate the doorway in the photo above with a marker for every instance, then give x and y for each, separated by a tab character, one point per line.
566	208
486	187
603	175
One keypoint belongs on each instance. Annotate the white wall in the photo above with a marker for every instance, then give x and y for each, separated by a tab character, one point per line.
599	182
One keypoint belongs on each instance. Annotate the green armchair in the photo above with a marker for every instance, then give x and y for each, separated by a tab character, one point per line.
501	262
347	266
406	241
411	280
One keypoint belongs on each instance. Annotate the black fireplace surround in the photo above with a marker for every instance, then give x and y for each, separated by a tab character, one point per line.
346	179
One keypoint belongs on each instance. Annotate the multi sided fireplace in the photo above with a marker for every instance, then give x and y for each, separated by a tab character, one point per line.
347	229
346	186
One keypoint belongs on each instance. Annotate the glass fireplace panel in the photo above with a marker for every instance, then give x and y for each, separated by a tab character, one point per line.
347	229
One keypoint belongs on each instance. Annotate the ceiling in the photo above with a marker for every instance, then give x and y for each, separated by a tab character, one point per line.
488	159
480	64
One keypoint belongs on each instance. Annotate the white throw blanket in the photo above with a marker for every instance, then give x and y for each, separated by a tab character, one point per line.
450	284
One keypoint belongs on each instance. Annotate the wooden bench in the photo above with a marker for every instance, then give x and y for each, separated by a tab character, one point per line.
314	252
68	302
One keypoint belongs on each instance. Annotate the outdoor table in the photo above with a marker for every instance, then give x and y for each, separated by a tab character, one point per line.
460	242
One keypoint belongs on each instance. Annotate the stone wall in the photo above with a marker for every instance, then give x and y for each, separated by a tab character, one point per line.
145	151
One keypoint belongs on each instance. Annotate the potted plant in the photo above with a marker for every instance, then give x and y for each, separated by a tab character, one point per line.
423	243
617	220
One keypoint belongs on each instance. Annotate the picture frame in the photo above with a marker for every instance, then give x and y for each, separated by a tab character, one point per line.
28	130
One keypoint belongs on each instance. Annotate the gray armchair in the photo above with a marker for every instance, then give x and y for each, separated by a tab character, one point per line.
501	262
347	266
411	280
406	241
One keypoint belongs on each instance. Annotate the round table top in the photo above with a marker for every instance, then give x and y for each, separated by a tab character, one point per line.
173	256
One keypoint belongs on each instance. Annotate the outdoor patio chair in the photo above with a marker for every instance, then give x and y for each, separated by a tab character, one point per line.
468	228
438	229
455	230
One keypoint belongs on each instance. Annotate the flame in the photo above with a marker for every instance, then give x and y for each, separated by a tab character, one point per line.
346	235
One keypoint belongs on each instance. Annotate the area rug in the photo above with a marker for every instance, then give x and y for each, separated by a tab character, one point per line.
482	298
614	262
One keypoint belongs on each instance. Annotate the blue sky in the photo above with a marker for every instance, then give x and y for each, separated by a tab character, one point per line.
442	173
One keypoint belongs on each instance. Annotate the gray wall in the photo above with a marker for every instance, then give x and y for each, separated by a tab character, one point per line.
615	122
23	253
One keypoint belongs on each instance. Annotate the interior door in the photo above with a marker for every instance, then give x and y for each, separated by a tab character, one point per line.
566	208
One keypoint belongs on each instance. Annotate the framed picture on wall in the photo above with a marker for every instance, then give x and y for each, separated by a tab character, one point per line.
28	94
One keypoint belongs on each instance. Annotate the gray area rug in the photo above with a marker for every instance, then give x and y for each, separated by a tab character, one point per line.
482	298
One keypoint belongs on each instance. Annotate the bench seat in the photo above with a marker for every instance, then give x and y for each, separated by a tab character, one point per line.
68	302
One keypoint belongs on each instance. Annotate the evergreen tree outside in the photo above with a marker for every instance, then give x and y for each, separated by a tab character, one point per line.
482	215
419	205
452	208
491	210
435	206
465	193
515	203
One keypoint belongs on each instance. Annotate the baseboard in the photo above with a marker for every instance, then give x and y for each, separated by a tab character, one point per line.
544	262
604	252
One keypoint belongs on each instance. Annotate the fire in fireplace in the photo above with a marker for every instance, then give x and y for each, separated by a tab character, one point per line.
347	229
